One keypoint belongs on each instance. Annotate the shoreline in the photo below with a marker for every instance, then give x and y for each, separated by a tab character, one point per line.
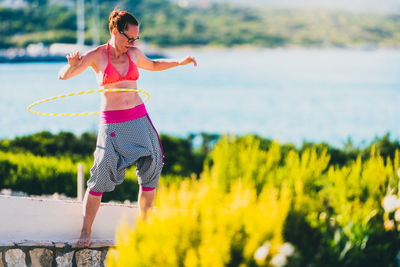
162	52
210	48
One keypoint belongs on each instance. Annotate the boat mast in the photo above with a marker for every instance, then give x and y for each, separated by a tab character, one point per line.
95	33
80	22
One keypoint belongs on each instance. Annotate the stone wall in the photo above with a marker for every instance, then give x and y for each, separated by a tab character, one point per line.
52	254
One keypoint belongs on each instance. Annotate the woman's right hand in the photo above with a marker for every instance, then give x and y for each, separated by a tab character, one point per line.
77	64
74	59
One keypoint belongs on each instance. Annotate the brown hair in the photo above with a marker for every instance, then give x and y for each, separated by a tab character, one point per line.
120	20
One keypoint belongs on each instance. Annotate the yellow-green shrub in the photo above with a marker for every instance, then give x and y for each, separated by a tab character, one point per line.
249	198
196	224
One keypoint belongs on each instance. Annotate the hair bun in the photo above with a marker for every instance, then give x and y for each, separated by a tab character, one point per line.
120	20
114	14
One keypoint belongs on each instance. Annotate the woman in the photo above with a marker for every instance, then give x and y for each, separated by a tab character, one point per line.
126	134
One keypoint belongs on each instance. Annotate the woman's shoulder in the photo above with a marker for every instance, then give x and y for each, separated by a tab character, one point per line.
135	51
97	54
98	51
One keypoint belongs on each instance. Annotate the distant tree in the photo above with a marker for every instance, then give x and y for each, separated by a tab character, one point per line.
36	3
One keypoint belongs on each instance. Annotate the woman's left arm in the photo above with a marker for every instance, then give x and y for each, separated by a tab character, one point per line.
144	62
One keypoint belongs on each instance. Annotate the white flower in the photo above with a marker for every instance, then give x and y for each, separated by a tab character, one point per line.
390	203
389	225
279	260
287	249
397	215
262	252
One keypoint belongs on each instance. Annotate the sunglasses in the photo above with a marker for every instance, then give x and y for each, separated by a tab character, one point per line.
130	40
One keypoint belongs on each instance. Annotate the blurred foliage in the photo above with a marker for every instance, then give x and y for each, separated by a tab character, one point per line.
40	155
164	23
254	200
184	157
257	207
198	225
181	157
38	175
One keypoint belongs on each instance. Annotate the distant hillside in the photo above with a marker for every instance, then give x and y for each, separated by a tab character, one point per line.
168	24
358	6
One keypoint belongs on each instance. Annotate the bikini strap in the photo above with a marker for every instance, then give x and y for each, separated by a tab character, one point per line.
127	52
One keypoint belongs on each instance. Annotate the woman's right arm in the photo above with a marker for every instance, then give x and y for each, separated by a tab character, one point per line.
76	64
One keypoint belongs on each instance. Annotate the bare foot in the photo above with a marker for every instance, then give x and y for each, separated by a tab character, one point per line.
84	240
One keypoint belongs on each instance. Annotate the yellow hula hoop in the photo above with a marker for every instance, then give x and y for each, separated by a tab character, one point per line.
80	93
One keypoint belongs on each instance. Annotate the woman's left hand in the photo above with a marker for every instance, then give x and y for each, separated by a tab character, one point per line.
188	60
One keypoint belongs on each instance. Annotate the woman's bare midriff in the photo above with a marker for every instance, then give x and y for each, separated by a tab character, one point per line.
120	100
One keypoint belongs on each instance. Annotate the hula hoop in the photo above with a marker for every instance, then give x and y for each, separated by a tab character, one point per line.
80	93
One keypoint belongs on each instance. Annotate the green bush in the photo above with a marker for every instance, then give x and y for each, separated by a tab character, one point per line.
181	157
39	175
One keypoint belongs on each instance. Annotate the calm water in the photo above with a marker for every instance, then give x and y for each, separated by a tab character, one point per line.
289	95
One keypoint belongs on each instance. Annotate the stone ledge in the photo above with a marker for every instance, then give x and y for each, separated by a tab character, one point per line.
28	243
49	244
26	221
111	203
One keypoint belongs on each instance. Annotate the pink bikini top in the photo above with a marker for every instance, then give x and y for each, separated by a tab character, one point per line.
111	75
